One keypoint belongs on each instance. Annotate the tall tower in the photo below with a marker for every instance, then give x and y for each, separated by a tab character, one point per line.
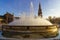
39	11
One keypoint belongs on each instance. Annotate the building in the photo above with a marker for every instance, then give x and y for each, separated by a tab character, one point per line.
1	19
6	18
40	11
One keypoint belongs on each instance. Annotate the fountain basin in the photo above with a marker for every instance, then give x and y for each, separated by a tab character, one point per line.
30	31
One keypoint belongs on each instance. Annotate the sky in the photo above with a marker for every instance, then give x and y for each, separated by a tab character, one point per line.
49	7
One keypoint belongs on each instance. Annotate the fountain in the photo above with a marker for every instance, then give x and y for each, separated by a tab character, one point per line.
30	27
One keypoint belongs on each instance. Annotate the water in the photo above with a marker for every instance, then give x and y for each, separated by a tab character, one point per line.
30	19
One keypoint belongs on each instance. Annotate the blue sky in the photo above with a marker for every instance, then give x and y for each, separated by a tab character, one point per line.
49	7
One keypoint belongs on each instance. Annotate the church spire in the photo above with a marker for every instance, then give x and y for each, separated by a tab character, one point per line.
39	11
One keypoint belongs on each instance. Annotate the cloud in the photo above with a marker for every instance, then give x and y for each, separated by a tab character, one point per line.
54	12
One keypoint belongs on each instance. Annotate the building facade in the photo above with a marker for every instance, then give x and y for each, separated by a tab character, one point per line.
6	18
